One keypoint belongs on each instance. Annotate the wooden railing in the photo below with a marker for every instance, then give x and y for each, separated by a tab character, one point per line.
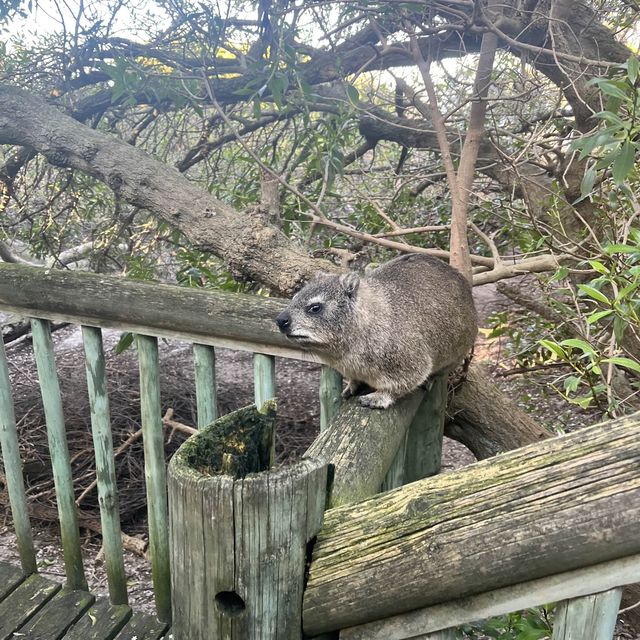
555	521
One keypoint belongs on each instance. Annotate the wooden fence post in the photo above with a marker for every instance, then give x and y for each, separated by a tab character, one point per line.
588	618
239	532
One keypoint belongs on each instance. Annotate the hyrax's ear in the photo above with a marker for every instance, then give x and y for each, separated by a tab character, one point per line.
350	283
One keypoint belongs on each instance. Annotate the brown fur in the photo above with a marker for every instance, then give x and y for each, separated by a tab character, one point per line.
391	329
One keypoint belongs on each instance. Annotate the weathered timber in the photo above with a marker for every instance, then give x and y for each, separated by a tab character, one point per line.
13	469
239	532
362	444
423	453
102	621
105	465
204	363
142	627
233	320
591	617
564	503
24	602
569	584
155	473
10	578
53	620
59	451
330	395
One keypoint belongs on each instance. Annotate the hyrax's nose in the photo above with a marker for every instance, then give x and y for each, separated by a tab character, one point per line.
284	321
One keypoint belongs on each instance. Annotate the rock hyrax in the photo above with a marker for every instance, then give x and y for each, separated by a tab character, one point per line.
392	329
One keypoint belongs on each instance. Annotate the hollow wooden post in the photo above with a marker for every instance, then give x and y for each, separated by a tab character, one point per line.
330	395
13	469
60	462
239	532
204	361
588	618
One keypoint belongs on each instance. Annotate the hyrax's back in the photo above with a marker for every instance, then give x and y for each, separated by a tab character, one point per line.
431	304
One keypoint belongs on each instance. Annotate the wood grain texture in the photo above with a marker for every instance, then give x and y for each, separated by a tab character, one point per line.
155	473
59	451
238	544
204	364
362	444
234	320
102	621
554	506
532	593
24	602
105	465
142	627
591	617
330	395
53	620
12	464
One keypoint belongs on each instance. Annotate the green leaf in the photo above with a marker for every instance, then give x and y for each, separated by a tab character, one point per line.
620	248
627	363
624	162
611	88
588	180
633	66
593	293
574	343
594	317
599	267
571	384
619	328
554	347
126	340
353	94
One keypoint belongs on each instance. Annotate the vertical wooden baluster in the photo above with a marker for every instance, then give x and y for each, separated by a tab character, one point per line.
264	383
395	475
13	469
588	618
204	361
330	395
155	472
105	466
58	449
424	438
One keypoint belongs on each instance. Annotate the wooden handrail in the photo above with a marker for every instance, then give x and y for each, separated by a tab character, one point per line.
233	320
558	505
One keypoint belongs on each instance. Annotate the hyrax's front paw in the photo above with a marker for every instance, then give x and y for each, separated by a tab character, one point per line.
377	400
351	389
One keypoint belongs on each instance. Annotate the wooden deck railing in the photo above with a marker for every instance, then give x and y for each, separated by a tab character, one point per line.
555	521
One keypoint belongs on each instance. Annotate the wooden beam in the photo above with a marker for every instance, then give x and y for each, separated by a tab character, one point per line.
361	444
233	320
554	506
561	586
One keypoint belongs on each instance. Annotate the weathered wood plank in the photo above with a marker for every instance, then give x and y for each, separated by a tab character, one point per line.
264	378
330	395
204	361
423	453
239	532
395	475
24	602
102	621
361	444
591	617
13	469
59	452
53	620
233	320
568	502
155	473
105	466
142	627
10	578
570	584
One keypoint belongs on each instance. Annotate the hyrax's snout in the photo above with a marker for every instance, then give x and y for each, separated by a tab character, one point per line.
284	322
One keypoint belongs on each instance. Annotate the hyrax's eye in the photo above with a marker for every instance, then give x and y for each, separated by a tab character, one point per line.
315	308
